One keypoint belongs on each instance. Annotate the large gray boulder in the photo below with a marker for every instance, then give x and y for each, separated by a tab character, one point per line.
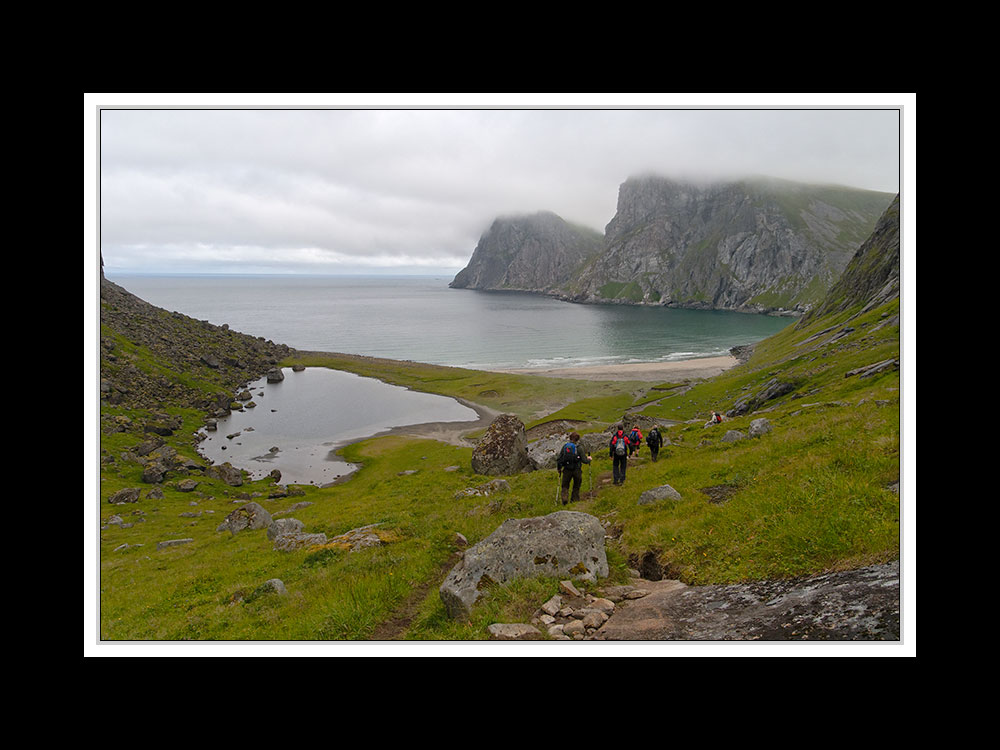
249	516
227	473
564	544
503	450
655	495
543	453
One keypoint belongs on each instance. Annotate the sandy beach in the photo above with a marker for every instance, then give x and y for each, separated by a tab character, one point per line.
660	372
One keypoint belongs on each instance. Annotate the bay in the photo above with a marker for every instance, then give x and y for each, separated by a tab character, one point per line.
420	318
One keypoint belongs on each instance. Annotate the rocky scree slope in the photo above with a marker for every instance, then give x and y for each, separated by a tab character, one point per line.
152	358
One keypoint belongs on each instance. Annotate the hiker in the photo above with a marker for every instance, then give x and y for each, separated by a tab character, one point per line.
716	419
634	440
619	455
655	441
570	467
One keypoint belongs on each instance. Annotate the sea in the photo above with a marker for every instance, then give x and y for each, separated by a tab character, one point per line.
420	318
298	426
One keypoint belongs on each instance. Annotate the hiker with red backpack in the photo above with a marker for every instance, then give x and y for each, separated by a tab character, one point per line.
619	455
569	464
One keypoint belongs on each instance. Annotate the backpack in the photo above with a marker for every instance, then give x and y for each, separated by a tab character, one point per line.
652	436
634	437
621	448
567	456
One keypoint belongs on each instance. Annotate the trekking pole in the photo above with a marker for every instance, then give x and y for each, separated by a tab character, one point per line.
558	486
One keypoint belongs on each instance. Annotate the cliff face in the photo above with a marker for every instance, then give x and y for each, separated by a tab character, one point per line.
872	276
536	253
755	245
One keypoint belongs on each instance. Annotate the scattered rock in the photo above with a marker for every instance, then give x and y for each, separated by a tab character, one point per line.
227	473
172	543
759	427
513	632
275	585
733	436
483	490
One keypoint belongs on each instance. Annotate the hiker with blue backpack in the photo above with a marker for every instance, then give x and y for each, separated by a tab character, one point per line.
570	467
619	455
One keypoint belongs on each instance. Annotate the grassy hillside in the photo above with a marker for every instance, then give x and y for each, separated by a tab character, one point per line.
815	494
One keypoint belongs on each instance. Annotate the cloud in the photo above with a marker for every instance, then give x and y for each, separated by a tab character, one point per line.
332	190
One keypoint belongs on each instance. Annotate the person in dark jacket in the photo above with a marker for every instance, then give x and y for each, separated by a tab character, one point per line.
655	441
570	467
619	455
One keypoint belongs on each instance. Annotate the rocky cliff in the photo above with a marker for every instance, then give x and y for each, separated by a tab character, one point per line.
535	253
872	275
757	245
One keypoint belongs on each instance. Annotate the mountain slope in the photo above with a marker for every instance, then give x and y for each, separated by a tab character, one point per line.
755	245
151	357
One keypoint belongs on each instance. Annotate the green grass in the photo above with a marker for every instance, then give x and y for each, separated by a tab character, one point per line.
812	495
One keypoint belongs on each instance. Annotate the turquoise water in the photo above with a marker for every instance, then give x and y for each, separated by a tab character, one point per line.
421	319
310	414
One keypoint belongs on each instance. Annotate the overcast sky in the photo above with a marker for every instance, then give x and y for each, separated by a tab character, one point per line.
378	188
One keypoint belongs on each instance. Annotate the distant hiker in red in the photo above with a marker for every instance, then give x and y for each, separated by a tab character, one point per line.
634	440
716	419
619	455
570	467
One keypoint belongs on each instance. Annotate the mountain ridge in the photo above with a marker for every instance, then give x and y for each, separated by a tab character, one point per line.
759	244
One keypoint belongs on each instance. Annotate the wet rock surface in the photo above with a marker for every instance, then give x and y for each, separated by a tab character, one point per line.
854	605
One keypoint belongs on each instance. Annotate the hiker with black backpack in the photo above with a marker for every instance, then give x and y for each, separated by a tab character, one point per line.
655	441
619	455
569	464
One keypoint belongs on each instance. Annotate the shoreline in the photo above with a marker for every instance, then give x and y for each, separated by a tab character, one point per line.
699	369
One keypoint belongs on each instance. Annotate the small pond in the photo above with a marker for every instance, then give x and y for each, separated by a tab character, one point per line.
298	424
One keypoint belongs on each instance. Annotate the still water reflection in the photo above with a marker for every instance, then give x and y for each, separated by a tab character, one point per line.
297	424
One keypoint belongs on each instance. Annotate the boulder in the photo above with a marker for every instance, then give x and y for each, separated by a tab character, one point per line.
562	544
594	442
284	526
275	375
733	436
227	473
759	427
655	495
249	516
127	495
772	389
503	450
543	453
154	473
